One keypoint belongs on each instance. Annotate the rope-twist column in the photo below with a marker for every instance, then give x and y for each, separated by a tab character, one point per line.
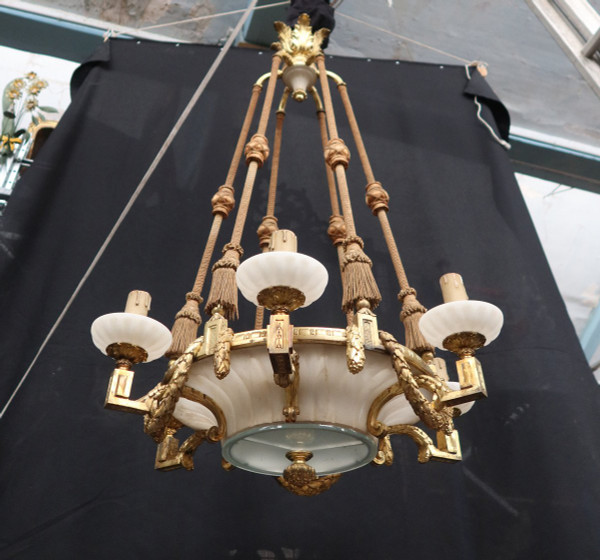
269	221
337	227
377	200
359	281
223	289
188	319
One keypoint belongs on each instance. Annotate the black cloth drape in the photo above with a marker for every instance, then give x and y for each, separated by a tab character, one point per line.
78	481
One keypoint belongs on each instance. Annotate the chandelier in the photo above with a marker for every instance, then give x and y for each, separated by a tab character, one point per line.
300	403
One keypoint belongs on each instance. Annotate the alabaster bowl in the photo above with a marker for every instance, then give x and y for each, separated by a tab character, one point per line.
134	329
282	268
461	316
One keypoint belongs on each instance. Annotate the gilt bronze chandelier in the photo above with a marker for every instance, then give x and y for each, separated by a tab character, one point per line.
300	403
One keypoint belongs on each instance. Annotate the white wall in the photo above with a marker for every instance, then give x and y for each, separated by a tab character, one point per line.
57	72
568	224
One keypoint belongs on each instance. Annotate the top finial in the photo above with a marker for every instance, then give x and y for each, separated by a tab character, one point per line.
299	45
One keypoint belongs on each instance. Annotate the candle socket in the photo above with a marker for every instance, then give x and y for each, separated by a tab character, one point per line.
138	302
283	240
453	288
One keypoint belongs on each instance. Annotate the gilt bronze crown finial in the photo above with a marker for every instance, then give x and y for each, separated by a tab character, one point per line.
298	44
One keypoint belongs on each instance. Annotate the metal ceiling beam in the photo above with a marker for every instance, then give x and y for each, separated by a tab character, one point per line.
56	32
590	336
43	35
259	30
592	46
541	157
572	23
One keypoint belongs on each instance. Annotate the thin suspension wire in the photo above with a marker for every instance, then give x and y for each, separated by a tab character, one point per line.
136	193
111	33
404	38
201	18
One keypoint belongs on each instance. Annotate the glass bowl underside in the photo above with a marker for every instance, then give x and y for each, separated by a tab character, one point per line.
335	448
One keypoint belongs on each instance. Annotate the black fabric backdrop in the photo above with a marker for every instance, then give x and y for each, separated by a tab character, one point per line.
78	481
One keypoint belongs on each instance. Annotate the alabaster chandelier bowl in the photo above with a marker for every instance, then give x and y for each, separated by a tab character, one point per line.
282	268
132	329
333	408
461	316
301	403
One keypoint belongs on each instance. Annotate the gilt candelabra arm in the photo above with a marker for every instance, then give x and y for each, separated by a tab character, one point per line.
447	446
132	337
129	338
462	326
121	381
160	422
281	280
169	454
